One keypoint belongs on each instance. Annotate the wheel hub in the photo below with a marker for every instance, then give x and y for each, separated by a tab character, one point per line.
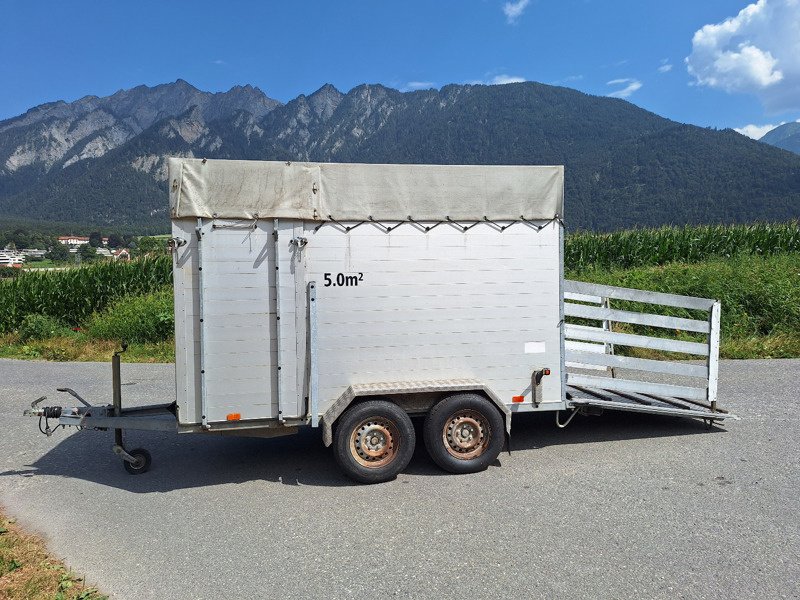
466	434
373	443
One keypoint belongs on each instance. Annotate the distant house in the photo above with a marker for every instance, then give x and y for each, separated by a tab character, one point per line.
11	258
104	252
32	252
104	241
121	254
73	240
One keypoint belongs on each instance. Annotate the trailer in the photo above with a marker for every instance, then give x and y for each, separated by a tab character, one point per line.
352	297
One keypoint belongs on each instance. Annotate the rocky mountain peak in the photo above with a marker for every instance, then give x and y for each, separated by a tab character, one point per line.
64	133
324	101
102	155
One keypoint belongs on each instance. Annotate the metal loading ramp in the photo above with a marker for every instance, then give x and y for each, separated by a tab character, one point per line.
598	377
580	397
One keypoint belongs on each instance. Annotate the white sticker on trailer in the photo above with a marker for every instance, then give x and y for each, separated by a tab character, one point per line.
534	348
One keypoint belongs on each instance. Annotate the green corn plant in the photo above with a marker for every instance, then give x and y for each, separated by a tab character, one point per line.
72	295
688	244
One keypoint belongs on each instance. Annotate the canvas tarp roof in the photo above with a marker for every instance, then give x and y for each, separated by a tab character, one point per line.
240	189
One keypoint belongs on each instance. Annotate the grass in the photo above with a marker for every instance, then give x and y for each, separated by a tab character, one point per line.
28	572
143	318
760	299
45	263
82	348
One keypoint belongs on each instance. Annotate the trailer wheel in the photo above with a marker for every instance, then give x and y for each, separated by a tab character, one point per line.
464	433
142	462
374	441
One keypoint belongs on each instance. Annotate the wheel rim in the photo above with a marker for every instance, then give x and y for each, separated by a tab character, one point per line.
466	434
375	442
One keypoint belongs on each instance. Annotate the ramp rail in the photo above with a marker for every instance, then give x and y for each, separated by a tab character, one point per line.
592	348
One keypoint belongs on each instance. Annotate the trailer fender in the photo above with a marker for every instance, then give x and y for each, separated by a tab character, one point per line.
392	389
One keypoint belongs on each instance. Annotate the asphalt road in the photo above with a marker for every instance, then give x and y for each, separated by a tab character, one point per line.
617	506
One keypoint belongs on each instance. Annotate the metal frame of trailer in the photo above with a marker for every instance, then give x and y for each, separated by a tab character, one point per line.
298	319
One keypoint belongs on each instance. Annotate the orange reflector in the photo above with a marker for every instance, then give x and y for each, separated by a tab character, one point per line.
518	398
233	416
547	371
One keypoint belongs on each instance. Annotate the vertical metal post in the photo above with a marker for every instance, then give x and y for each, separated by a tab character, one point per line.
713	354
203	399
562	350
609	349
279	359
313	383
116	384
302	395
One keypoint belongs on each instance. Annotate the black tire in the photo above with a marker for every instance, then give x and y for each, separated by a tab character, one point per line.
382	456
481	441
142	464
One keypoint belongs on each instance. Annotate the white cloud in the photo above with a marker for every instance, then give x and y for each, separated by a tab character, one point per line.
419	85
665	68
503	79
757	52
514	10
218	62
631	85
500	79
758	131
568	79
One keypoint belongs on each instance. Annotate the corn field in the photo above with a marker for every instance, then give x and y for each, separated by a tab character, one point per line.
72	295
649	247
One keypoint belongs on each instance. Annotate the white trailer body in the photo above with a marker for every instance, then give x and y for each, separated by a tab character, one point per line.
406	305
348	297
398	298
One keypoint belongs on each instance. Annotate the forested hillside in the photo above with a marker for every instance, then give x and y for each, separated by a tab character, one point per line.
625	166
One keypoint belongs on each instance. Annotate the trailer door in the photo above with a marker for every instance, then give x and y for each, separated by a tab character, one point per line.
236	342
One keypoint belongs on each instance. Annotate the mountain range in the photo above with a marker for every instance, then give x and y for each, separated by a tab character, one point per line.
100	161
786	136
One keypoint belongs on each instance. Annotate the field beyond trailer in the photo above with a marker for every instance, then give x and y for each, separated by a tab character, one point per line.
82	314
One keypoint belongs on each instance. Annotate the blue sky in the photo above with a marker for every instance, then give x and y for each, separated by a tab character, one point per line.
743	67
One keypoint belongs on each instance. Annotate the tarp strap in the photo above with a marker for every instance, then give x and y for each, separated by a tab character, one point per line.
429	225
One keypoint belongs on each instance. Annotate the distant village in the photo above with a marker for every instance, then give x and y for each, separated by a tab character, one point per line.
73	249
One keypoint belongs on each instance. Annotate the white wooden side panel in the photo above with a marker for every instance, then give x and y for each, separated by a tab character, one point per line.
437	305
238	290
243	382
184	272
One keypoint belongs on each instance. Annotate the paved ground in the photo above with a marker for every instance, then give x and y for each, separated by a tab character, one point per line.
618	506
